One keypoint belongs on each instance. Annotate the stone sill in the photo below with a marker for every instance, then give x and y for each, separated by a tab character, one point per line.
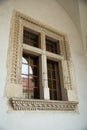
21	104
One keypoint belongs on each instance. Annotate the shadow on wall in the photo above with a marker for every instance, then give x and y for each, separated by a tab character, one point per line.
1	1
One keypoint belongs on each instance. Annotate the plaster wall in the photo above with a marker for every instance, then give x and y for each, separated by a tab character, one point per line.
83	19
72	9
50	13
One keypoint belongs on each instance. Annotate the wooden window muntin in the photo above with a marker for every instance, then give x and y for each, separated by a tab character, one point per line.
52	45
31	37
32	77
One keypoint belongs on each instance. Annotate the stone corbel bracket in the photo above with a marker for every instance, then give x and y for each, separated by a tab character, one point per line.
42	105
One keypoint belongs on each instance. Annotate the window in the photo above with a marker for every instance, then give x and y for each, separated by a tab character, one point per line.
40	70
52	46
54	80
31	38
30	76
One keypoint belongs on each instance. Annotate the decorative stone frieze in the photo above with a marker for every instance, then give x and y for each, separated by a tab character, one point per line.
16	47
42	105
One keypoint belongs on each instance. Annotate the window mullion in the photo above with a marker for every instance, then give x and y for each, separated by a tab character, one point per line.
44	67
44	77
43	44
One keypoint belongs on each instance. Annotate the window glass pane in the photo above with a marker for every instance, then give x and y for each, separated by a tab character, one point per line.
52	65
54	84
33	61
24	69
34	70
24	66
36	93
53	75
51	97
55	95
30	76
31	88
31	38
53	80
49	74
24	60
35	80
25	80
52	46
50	84
30	70
25	85
36	88
48	65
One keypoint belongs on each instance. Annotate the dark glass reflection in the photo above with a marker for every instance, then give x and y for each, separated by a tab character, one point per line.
30	77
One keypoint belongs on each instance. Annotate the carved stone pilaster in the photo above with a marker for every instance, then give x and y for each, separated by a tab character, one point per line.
66	75
66	49
15	53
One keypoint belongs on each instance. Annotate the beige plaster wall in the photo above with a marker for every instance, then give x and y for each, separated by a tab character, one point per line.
50	13
83	19
72	9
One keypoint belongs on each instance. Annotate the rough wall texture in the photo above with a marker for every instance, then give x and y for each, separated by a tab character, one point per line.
47	11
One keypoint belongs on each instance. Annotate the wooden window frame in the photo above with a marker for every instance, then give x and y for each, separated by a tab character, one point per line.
14	83
52	45
33	76
29	35
57	88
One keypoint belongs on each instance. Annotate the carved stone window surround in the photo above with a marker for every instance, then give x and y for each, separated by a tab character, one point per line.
14	85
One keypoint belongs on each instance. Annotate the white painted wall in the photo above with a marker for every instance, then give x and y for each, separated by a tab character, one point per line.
51	13
72	9
83	19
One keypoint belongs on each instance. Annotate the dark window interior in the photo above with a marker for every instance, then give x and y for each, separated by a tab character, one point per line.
52	46
54	80
31	38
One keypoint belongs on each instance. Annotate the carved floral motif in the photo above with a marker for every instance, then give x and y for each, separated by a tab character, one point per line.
42	105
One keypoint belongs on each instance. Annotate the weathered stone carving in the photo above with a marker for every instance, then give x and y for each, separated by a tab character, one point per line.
49	105
14	85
